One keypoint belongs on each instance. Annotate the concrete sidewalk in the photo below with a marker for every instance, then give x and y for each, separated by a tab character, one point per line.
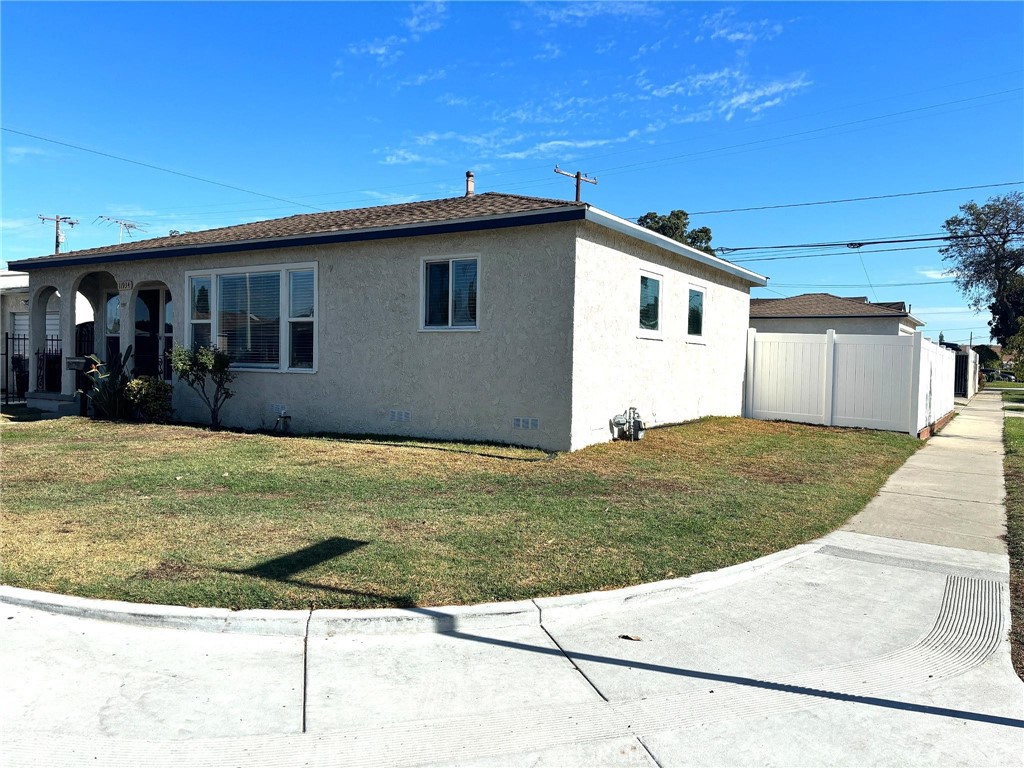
881	644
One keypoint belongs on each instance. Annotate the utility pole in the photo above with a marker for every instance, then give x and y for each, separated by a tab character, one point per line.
122	226
580	177
58	236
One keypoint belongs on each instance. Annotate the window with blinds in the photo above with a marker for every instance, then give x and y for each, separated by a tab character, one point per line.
450	294
265	319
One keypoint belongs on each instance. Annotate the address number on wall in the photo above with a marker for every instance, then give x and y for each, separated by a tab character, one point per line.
125	285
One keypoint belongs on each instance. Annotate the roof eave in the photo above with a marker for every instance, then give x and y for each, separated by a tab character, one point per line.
609	221
498	221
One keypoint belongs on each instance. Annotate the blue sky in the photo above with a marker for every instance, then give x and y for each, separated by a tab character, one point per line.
696	106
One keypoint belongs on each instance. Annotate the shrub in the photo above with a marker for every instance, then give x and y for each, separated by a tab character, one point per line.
151	398
109	387
203	365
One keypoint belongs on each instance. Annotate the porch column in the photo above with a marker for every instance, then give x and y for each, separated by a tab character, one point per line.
126	296
36	332
67	337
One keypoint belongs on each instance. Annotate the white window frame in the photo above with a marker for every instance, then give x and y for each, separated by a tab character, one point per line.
284	309
700	338
648	333
422	307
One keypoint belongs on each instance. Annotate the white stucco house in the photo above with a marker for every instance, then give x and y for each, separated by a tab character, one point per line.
820	312
487	317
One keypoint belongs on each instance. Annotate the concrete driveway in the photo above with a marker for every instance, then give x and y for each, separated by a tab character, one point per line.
881	644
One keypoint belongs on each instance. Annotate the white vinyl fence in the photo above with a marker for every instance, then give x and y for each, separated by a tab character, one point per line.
898	383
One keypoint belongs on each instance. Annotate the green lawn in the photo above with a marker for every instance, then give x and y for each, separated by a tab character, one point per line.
1004	385
174	514
1013	464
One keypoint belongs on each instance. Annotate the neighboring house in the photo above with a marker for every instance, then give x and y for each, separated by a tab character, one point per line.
488	317
820	312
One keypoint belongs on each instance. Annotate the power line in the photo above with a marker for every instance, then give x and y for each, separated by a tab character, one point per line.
860	285
853	199
160	168
827	255
855	243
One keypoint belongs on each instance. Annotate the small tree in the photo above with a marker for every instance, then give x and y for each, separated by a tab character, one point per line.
677	226
203	365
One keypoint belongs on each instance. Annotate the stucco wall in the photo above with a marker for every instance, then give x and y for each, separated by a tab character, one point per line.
668	380
881	326
372	356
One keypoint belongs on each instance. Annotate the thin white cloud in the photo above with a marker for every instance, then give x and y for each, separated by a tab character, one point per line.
423	78
729	89
645	49
559	146
11	225
451	100
724	25
425	18
385	50
548	52
405	157
761	97
17	154
694	84
579	13
934	274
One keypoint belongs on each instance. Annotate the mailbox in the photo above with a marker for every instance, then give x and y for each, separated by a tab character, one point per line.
77	363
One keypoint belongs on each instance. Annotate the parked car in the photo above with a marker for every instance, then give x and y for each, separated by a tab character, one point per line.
1007	377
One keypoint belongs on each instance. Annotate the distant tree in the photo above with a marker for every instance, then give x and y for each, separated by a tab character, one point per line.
987	357
986	251
676	225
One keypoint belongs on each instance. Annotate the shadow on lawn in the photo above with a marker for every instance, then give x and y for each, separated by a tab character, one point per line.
284	568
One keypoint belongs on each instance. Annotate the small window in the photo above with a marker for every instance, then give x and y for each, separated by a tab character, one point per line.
199	288
695	315
450	294
300	318
650	304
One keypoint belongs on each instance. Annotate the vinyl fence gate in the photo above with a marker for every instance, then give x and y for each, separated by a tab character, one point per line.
896	383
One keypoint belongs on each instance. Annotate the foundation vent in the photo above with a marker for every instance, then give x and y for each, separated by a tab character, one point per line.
525	422
399	416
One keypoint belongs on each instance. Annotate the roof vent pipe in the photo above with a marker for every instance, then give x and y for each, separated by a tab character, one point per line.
469	184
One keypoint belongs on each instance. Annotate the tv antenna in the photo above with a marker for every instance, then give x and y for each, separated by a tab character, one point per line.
58	236
122	226
579	176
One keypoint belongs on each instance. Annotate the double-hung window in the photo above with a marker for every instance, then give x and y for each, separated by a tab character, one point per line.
450	288
264	317
650	326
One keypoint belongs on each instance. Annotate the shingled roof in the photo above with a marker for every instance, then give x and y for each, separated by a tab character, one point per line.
451	209
823	305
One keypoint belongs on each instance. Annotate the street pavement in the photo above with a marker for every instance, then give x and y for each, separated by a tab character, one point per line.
884	643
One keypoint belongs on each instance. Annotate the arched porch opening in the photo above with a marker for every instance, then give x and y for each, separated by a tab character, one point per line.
99	291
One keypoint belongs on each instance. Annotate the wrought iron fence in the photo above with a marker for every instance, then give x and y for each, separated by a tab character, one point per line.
15	366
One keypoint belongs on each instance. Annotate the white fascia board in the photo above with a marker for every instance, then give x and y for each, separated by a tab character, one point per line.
603	219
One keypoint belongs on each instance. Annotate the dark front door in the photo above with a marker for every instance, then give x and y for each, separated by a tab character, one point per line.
147	333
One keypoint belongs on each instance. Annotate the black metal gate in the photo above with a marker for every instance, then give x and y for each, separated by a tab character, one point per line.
15	367
48	365
85	334
960	376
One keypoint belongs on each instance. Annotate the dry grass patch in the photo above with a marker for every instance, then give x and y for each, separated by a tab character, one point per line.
174	514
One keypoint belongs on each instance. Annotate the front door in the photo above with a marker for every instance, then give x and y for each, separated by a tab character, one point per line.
153	332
